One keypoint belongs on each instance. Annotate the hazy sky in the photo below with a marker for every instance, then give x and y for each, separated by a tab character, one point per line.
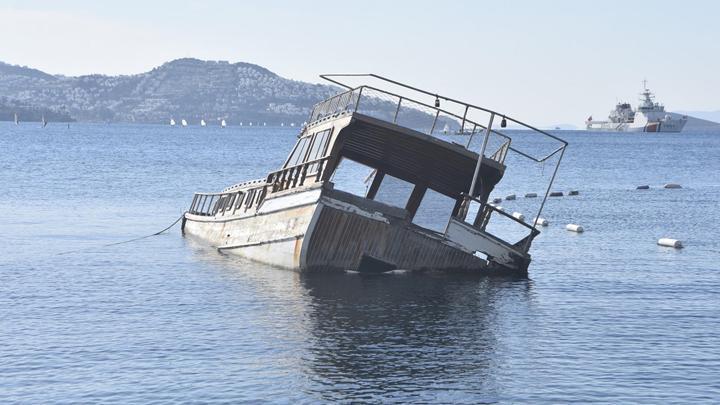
543	61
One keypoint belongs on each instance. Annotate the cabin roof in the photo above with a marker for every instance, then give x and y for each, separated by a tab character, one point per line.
415	157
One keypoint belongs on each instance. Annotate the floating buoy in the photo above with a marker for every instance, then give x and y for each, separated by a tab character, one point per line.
645	187
542	221
518	216
574	192
497	200
510	197
556	194
673	243
672	185
574	228
530	195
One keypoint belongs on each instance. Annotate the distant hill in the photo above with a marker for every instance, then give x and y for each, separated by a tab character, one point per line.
185	88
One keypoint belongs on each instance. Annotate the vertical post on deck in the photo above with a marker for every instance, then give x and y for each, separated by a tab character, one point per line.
397	110
480	158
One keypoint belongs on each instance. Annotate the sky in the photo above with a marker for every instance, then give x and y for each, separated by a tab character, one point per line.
545	62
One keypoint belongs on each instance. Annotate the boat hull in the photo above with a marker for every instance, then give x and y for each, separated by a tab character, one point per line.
329	230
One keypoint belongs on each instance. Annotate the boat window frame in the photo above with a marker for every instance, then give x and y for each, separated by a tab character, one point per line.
302	141
313	168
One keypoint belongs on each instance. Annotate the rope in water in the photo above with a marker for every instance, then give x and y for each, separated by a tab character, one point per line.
125	241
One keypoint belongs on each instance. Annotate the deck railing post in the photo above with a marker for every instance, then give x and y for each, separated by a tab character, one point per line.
318	176
462	128
547	192
397	110
192	205
202	208
357	103
480	158
434	121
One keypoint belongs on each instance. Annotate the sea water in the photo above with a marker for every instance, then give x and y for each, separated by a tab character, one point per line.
605	316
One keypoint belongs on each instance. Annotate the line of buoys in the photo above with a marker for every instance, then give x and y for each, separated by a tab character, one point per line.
673	243
530	195
672	185
556	194
510	197
574	192
643	187
574	228
542	221
519	216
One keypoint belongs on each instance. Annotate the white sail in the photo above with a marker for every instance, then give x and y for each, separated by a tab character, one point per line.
172	122
264	123
223	123
446	129
183	122
282	124
250	123
44	121
202	123
240	123
16	119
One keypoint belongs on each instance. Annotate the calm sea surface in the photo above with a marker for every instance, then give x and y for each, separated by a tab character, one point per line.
605	316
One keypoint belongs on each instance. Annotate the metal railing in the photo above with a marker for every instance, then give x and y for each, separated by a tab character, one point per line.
372	101
232	202
355	98
244	196
296	176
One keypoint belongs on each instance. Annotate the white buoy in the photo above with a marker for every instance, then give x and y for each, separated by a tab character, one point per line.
510	197
672	185
673	243
497	200
574	228
518	216
542	221
643	187
530	195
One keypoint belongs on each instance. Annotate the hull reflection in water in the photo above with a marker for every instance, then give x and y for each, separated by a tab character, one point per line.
430	337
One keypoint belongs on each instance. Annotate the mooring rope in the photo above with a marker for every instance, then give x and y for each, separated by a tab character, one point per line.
124	241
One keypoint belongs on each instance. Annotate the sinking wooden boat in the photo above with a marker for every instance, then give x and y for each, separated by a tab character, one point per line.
302	216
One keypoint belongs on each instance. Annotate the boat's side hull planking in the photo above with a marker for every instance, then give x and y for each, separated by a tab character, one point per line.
344	234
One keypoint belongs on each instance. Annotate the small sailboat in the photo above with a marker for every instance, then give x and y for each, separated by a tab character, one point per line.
172	122
202	123
44	121
446	129
223	124
183	122
17	122
282	124
264	123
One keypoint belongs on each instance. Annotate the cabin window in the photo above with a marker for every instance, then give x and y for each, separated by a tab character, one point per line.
394	191
434	211
298	154
353	177
318	149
